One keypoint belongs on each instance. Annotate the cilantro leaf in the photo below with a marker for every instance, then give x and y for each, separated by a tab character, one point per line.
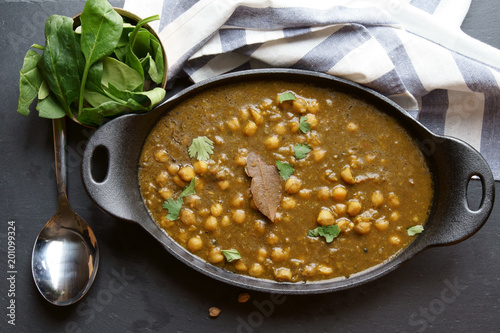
285	169
329	232
173	207
416	229
288	96
304	125
201	146
231	255
301	150
189	190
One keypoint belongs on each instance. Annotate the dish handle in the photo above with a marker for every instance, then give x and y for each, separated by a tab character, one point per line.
455	220
109	168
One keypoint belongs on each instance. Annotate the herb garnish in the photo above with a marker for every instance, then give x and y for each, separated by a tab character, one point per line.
231	255
202	147
301	150
174	206
288	96
285	169
416	229
304	126
329	232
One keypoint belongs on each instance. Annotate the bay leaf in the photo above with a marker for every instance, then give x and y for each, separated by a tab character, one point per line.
265	186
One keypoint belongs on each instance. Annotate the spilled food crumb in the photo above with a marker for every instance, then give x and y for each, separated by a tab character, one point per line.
243	297
214	312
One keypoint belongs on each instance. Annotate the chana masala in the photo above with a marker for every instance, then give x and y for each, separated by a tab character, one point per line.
285	181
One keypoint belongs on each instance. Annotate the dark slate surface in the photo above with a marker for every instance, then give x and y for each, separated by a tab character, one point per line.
142	288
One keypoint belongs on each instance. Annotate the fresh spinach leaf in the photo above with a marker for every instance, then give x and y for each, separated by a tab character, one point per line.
102	27
50	108
30	80
120	75
59	63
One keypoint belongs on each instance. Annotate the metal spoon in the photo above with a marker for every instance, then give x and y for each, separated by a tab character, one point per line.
65	255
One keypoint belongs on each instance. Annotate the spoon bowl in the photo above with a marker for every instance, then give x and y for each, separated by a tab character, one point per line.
65	256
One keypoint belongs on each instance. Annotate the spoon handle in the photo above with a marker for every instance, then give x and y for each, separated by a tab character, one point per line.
59	128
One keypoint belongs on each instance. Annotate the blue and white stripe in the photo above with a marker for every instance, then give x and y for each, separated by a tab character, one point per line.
412	51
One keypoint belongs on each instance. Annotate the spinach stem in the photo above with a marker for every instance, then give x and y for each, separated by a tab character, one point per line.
82	86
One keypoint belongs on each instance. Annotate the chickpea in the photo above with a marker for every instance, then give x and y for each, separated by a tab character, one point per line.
288	203
353	207
225	221
192	201
312	120
257	117
278	254
259	227
381	224
238	201
272	142
162	178
211	223
299	105
309	270
318	154
186	173
292	185
305	193
261	254
256	270
283	274
393	200
325	270
325	217
294	127
279	129
272	239
240	266
223	184
178	181
339	209
377	198
173	168
215	256
233	124
240	160
250	128
324	193
194	244
200	167
339	193
395	216
395	240
166	223
161	156
216	209
244	114
346	175
239	216
187	216
363	227
352	127
313	106
200	185
345	224
165	193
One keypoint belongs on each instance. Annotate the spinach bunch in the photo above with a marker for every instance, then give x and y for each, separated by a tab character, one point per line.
104	68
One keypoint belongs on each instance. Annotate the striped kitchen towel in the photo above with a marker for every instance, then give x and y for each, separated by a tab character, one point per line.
412	51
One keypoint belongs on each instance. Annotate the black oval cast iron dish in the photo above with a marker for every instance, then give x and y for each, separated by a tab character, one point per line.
452	163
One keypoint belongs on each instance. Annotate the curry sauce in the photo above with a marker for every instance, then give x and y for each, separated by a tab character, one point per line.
350	169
